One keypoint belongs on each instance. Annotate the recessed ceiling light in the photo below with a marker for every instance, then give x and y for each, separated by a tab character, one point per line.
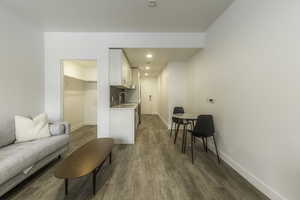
147	67
146	74
152	3
149	55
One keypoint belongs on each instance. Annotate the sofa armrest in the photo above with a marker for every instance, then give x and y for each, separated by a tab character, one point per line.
66	125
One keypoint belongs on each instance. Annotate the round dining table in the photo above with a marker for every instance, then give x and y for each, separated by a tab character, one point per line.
187	118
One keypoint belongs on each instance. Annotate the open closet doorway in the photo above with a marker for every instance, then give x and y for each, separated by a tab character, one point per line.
80	95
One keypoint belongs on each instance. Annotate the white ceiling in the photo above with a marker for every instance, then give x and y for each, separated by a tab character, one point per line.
81	69
84	63
161	57
119	15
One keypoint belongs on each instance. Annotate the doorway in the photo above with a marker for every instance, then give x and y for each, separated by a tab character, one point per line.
149	93
164	78
80	93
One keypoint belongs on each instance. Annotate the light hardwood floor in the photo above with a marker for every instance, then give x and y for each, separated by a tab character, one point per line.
152	169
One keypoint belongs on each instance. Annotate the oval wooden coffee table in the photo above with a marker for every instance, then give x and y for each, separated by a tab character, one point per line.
87	159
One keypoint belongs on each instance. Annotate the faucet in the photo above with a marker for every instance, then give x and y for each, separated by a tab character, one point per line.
120	96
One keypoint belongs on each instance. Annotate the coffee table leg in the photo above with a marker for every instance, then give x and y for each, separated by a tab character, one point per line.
94	181
66	186
110	155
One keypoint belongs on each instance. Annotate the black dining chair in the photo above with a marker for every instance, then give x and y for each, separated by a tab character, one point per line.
178	123
204	129
175	121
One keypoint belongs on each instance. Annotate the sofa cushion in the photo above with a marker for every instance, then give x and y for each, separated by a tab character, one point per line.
18	157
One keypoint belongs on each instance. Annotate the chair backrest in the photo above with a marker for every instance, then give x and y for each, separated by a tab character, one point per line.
178	110
204	126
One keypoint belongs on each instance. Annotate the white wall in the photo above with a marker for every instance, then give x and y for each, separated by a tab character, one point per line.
80	102
60	46
172	90
177	86
90	103
251	67
21	70
90	73
163	90
74	101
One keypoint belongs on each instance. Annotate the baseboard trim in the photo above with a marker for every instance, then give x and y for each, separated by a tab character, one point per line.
164	121
89	123
76	127
82	124
255	181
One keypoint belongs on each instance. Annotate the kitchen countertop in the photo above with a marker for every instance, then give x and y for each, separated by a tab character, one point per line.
125	106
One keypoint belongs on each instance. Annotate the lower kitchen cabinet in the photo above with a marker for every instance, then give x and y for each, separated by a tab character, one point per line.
123	124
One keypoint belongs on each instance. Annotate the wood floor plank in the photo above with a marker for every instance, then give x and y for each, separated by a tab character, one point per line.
152	169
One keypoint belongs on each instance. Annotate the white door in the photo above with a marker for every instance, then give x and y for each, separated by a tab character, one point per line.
149	95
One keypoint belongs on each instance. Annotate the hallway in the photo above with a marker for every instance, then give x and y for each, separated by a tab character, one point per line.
153	168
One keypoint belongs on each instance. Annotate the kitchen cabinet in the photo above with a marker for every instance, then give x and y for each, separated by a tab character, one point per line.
120	69
123	123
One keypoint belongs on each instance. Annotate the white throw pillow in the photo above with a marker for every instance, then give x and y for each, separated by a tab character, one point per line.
31	129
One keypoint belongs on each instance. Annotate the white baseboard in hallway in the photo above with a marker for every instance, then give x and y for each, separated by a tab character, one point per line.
164	121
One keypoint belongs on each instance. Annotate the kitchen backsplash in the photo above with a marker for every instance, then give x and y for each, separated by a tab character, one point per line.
129	97
114	95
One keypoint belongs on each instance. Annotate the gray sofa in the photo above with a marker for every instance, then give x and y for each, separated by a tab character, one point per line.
20	160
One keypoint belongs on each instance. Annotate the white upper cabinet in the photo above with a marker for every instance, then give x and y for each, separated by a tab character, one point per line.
120	71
